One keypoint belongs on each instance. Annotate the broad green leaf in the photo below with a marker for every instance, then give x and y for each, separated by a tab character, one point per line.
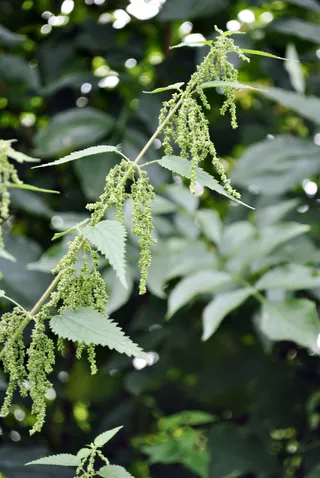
17	73
81	154
269	215
290	277
228	84
181	166
196	43
6	255
21	157
83	453
219	307
234	236
70	80
286	160
294	69
88	326
109	237
72	129
29	187
210	223
174	86
294	320
161	205
8	38
60	460
262	53
103	438
306	106
187	417
203	282
114	471
297	27
75	228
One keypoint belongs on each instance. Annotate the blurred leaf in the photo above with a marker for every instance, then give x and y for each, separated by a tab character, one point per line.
316	470
103	438
114	471
202	282
109	237
72	129
312	4
234	236
5	255
219	307
59	460
119	295
88	326
17	73
191	9
182	167
175	86
269	215
286	162
294	69
8	38
187	417
297	27
236	451
81	154
71	80
294	320
290	277
306	106
210	223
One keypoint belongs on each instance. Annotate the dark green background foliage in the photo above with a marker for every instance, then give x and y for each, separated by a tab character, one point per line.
256	377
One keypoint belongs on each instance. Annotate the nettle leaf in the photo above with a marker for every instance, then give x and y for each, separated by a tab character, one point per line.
21	157
109	237
191	44
219	307
102	439
202	282
181	166
29	187
294	320
89	326
6	255
60	460
82	154
174	86
290	277
262	53
75	228
114	471
229	84
83	453
210	223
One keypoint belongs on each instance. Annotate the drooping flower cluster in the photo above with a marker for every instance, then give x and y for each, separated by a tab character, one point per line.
8	174
188	127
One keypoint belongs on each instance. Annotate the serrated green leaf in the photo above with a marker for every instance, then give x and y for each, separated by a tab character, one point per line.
294	320
227	84
81	154
175	86
109	237
88	326
219	307
290	277
181	166
262	53
21	157
114	471
76	227
83	453
197	43
203	282
60	460
29	187
102	439
5	255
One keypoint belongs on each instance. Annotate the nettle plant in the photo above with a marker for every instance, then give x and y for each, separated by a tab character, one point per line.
74	304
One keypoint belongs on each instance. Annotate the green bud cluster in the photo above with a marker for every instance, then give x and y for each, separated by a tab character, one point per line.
8	174
142	195
188	127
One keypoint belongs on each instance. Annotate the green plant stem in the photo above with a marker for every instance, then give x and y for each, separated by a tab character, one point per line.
34	310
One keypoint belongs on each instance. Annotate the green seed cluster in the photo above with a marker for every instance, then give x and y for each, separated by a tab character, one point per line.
142	195
188	127
87	467
8	174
